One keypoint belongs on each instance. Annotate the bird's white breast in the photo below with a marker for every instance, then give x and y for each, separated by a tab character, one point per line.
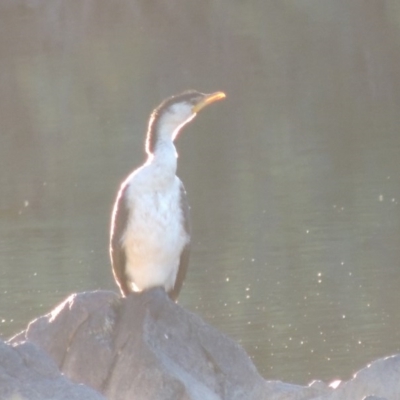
155	234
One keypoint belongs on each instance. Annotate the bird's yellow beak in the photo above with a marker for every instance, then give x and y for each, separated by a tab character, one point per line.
208	99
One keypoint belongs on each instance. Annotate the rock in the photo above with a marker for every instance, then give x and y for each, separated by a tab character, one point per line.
80	326
147	347
26	372
373	398
379	380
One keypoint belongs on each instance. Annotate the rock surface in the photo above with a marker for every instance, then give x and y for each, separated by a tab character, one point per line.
147	347
26	372
379	380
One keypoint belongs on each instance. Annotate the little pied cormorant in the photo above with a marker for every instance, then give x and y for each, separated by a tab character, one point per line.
150	233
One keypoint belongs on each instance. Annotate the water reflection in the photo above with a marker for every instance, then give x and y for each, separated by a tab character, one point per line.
293	181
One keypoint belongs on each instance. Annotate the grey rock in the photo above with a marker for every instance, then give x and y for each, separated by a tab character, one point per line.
147	347
378	380
26	372
373	398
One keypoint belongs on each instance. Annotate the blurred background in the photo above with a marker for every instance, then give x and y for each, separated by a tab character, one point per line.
293	180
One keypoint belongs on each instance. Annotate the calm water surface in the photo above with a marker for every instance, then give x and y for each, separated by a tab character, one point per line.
293	180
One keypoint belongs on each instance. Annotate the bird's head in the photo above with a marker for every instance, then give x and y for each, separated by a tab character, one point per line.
175	112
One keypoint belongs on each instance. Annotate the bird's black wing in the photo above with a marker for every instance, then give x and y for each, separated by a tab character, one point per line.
184	259
119	221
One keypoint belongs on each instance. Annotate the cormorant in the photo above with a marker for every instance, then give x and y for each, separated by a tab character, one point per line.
150	232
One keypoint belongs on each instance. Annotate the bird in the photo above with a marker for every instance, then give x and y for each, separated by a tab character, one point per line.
150	228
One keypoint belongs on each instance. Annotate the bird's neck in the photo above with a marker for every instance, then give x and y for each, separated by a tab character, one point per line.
164	155
160	146
162	132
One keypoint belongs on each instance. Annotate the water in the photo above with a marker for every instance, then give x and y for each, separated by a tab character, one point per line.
293	180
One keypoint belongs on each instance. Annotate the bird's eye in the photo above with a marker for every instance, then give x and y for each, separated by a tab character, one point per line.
194	101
